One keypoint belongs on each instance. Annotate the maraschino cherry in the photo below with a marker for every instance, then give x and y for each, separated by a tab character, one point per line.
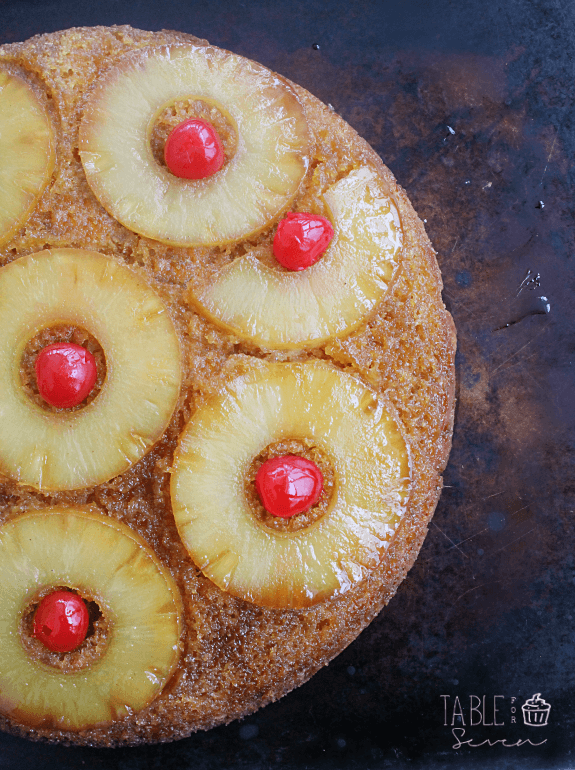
61	621
288	485
65	373
301	239
194	150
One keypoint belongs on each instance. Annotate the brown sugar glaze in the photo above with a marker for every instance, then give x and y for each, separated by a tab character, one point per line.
237	656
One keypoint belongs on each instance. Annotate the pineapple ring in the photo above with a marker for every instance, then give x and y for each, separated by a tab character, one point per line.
244	196
28	156
70	450
55	547
372	468
277	309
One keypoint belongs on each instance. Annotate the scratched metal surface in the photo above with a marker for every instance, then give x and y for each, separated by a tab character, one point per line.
471	106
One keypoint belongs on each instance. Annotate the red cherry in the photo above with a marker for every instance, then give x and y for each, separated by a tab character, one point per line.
288	485
194	150
65	373
301	239
61	621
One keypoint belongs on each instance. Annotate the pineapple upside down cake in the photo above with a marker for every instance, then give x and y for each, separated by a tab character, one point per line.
226	386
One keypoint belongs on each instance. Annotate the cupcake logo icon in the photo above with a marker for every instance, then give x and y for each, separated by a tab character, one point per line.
536	711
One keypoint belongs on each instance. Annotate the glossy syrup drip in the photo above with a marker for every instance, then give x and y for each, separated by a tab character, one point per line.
528	305
531	281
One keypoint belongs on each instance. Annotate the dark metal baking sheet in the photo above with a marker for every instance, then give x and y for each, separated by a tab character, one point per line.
471	106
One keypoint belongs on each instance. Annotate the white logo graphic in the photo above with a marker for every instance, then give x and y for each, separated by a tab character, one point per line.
535	711
470	716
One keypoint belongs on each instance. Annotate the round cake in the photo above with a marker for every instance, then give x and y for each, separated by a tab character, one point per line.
226	386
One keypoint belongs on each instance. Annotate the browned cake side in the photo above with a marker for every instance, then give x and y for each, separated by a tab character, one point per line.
237	656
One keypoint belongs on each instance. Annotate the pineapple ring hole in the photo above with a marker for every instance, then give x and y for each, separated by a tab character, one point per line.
303	448
92	648
49	336
175	112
